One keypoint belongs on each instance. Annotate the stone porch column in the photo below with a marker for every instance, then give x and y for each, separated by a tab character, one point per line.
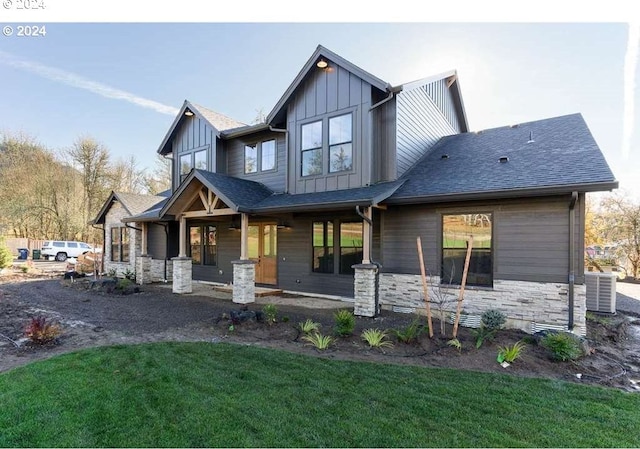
364	287
244	281
182	269
143	269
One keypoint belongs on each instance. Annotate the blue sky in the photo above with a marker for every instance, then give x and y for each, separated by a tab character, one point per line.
53	87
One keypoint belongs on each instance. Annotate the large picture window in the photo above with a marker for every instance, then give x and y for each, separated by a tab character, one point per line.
119	244
203	245
456	230
336	253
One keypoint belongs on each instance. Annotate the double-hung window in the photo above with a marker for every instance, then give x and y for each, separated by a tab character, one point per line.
456	232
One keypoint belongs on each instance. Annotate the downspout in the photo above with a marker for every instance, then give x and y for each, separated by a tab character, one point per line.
572	244
286	155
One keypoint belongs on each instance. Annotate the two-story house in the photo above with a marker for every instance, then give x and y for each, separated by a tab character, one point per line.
329	195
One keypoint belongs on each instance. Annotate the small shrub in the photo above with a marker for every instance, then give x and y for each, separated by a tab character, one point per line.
285	319
483	334
319	341
376	338
309	326
511	353
128	274
270	313
454	342
410	333
123	284
493	319
604	320
112	273
563	346
6	258
41	332
345	322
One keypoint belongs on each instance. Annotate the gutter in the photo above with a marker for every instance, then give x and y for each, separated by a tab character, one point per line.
572	256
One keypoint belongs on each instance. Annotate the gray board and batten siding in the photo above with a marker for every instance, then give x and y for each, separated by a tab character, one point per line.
194	134
234	152
424	115
324	94
530	237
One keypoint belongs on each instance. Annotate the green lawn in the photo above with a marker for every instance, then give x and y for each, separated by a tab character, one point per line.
202	394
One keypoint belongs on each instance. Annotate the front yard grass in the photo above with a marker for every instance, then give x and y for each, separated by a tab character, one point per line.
204	394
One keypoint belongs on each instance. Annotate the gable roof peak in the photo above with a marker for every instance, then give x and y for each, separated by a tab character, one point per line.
219	122
323	52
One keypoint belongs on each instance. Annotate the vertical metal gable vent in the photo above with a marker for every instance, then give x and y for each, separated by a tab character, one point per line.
601	292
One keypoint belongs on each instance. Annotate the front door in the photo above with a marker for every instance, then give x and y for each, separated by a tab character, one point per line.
263	249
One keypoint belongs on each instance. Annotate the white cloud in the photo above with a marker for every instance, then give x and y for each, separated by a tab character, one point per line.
79	82
630	65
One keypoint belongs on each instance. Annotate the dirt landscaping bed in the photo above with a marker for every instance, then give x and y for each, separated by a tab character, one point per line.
93	316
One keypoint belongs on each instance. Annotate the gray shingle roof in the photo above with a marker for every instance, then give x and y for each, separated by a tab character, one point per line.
239	194
220	121
333	199
136	203
562	155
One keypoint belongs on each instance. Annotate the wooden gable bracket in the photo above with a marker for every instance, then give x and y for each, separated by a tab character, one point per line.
210	202
452	79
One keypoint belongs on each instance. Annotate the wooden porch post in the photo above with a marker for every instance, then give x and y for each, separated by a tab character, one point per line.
244	236
366	236
182	252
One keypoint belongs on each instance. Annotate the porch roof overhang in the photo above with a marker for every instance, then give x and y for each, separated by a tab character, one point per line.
335	199
239	195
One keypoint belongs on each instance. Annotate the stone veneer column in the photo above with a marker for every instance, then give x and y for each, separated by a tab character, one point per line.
244	281
364	287
143	269
182	275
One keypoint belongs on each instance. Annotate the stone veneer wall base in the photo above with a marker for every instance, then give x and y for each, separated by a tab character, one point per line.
182	271
244	281
529	306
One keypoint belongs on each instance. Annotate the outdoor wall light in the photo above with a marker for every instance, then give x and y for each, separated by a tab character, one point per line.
284	225
322	64
188	112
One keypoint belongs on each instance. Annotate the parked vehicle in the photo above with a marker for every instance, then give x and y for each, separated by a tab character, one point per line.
61	250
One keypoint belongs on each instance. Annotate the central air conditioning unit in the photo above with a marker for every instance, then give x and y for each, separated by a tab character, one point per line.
601	292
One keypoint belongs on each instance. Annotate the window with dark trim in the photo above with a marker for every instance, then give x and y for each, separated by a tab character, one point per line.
322	247
456	230
268	155
193	158
350	246
250	158
203	245
336	252
119	244
340	139
311	147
